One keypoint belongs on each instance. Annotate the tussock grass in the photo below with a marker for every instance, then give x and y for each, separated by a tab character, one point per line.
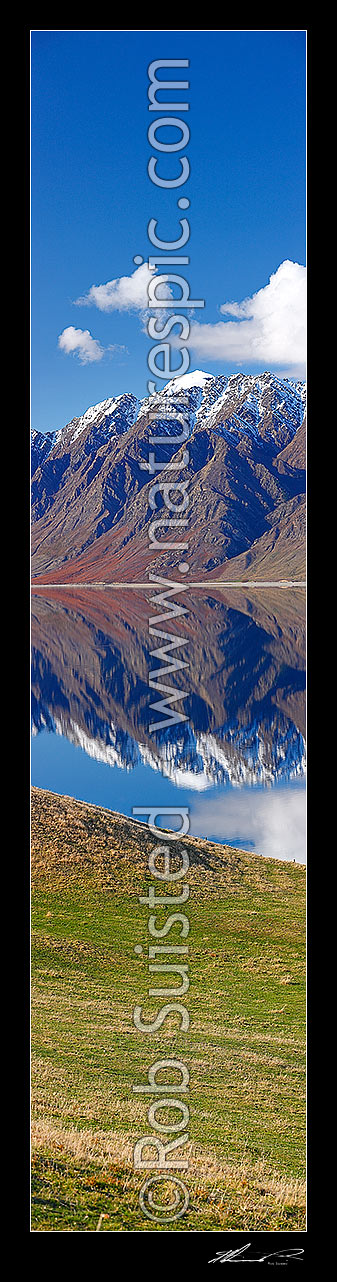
244	1048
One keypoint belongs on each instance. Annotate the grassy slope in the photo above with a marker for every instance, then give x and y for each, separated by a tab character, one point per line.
244	1048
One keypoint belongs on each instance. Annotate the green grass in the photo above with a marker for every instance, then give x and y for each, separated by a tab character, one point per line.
244	1048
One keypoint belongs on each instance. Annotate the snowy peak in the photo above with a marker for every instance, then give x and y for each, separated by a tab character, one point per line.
237	405
109	418
90	492
195	378
256	407
41	445
262	408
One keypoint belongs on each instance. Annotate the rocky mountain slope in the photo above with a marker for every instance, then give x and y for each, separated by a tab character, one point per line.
246	483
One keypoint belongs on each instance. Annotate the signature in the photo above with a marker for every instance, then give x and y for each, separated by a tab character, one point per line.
239	1257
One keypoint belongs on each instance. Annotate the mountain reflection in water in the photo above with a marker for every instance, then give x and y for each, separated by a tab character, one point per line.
242	744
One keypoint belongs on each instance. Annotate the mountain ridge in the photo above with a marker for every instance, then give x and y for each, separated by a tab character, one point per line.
90	494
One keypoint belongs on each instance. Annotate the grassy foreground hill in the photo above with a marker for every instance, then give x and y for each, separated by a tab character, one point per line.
244	1048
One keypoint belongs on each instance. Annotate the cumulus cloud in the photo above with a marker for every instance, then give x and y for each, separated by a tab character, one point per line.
268	328
125	294
128	294
79	342
272	822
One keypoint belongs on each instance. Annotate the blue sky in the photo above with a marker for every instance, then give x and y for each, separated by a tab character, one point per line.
92	200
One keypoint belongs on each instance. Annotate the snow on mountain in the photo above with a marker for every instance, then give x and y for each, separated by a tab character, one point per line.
41	446
111	417
196	378
89	480
277	404
255	396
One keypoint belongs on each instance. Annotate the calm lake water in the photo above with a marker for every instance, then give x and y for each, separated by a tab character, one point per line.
237	760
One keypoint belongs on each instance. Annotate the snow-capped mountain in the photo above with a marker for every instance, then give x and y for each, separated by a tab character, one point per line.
245	482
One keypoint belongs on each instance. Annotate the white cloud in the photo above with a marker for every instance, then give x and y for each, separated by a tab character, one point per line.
128	294
125	294
273	820
81	343
269	328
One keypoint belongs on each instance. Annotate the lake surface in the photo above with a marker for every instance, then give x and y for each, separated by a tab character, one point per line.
237	759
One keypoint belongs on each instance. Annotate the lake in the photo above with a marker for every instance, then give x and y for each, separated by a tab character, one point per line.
235	755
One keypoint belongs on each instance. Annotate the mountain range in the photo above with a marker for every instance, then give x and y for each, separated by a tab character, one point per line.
246	484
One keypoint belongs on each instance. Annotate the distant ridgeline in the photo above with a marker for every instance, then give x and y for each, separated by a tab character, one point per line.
246	480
